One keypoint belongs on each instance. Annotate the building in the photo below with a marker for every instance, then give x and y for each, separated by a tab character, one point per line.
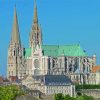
40	59
50	84
95	75
16	62
1	79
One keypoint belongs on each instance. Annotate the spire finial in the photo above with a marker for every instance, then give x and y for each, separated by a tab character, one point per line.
35	2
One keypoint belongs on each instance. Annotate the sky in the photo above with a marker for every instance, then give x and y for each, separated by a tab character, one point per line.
62	22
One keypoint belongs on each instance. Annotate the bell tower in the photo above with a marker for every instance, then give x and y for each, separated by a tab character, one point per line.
35	34
15	52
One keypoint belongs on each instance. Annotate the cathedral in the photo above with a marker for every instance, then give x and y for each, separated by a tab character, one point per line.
40	59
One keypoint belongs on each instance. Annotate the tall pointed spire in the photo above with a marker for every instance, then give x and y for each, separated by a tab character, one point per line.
15	38
36	34
35	13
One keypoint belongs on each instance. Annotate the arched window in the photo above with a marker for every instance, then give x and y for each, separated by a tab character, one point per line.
14	52
60	62
36	63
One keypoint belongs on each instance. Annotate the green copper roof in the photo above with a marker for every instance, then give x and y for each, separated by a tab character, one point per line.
59	50
28	52
66	50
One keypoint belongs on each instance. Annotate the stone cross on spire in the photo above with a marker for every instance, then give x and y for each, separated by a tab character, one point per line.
15	37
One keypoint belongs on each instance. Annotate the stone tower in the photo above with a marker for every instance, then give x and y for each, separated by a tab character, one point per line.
15	52
35	34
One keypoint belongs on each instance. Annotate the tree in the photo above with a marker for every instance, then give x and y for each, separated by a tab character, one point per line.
10	92
59	96
88	97
67	97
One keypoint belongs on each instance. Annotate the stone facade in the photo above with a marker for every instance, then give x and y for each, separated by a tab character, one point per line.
50	84
16	61
39	59
95	75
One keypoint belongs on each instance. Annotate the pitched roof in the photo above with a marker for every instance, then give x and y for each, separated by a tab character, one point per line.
95	69
57	80
59	50
66	50
53	79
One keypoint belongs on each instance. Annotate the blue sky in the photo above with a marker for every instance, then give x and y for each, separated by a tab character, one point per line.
62	21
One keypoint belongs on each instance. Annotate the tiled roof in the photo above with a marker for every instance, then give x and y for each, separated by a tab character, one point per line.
53	79
95	69
59	50
57	80
13	78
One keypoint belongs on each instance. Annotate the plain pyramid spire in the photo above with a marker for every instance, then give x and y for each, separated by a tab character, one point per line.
15	38
35	13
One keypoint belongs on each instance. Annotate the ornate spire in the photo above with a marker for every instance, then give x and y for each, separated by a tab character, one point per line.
36	34
40	37
15	38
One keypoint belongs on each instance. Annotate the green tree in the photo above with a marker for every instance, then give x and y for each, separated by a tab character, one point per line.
88	97
67	97
84	97
59	96
10	92
79	98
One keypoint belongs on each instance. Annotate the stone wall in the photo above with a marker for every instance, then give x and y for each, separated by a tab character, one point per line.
92	92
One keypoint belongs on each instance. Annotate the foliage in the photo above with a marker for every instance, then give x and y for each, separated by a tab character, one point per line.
10	92
87	86
67	97
84	97
79	93
59	96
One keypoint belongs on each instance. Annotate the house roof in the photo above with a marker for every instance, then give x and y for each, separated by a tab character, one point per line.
59	50
57	80
95	69
53	79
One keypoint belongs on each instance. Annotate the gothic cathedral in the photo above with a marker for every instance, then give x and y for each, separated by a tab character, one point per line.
40	59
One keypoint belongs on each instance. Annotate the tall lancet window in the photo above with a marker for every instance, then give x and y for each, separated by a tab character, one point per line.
60	62
14	52
36	63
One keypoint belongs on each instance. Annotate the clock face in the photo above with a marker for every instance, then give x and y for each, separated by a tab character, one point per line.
36	63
